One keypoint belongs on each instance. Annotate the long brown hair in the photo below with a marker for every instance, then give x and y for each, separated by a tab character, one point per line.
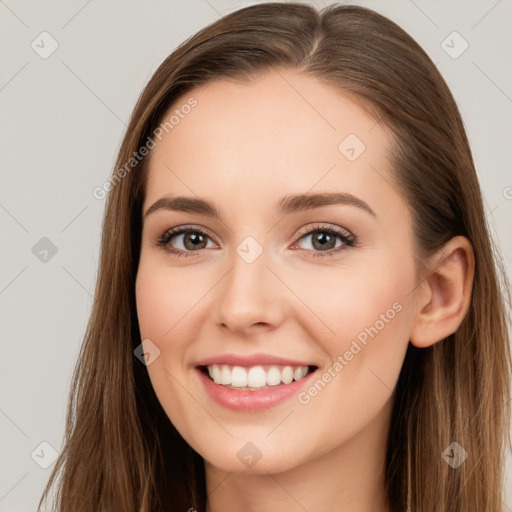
122	453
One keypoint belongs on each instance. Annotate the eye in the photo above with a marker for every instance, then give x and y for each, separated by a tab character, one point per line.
190	238
324	240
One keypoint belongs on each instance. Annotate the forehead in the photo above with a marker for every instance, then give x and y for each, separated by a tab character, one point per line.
284	132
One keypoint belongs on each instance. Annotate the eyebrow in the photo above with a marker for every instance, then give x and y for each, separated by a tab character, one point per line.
288	204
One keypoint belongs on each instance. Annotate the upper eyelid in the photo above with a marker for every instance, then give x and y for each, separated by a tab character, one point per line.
308	230
180	230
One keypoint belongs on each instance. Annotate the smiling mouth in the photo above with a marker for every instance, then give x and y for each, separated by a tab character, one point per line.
255	378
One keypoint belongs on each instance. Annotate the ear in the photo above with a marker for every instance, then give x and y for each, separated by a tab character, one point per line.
445	294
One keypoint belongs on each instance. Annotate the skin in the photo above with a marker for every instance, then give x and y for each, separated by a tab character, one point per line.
244	147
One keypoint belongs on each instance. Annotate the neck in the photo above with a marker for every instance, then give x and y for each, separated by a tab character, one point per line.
350	477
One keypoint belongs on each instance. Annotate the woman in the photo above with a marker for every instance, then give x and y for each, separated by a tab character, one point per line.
297	301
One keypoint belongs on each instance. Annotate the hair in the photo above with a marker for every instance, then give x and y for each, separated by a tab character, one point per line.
122	453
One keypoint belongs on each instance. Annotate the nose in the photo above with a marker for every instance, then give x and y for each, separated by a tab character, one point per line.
250	297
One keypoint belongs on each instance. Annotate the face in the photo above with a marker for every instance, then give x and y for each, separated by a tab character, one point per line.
271	287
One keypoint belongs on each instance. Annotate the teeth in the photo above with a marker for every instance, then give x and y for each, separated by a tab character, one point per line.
239	377
225	375
255	377
287	374
215	374
300	372
273	376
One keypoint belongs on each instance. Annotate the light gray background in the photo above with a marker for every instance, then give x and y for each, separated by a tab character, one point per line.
62	121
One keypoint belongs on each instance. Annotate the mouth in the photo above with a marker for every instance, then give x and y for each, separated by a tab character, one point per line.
257	377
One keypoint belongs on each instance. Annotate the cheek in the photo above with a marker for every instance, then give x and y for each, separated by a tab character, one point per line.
162	305
369	315
163	299
154	306
366	353
363	301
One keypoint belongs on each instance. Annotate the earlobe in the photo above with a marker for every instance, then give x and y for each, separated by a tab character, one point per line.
445	294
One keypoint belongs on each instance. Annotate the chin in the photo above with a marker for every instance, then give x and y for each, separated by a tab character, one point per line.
254	459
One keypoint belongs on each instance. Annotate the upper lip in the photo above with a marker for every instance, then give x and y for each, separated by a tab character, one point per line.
250	360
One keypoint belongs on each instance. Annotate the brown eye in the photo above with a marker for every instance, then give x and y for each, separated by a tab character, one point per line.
184	241
327	241
322	240
193	240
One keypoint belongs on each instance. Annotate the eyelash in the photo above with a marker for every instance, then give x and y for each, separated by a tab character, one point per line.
349	240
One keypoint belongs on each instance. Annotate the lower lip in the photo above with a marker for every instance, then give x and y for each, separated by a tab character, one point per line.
244	400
